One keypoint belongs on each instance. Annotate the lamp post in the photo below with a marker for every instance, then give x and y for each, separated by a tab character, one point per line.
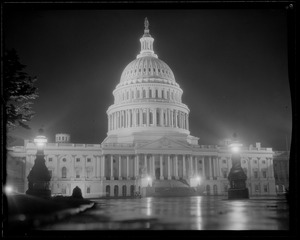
39	176
237	177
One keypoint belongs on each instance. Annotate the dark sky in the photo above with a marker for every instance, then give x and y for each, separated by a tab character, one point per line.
231	65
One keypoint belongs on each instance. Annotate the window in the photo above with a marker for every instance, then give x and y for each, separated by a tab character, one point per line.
224	173
263	162
265	188
144	93
88	190
162	94
244	161
264	173
200	161
256	188
156	93
255	174
63	190
88	160
138	94
77	174
64	172
224	161
77	159
255	161
50	159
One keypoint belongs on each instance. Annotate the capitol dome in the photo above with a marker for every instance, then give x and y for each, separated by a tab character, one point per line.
147	100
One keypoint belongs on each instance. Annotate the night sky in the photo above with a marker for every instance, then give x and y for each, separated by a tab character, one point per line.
231	64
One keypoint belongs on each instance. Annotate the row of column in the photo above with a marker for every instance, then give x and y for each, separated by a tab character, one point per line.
147	93
148	117
210	167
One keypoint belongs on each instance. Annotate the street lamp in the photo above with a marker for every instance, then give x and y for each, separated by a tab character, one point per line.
237	177
39	176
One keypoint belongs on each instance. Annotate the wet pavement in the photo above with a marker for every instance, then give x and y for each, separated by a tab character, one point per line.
181	213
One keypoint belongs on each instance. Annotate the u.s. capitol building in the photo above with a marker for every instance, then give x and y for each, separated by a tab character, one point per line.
148	148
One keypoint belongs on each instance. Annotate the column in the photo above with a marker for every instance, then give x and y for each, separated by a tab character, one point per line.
187	122
272	168
145	164
137	165
147	120
58	172
141	117
73	166
120	167
191	166
169	168
111	167
162	117
153	166
98	167
183	166
127	167
203	168
176	166
102	170
161	166
210	168
196	166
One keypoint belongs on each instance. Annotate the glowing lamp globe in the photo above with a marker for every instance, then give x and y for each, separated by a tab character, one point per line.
40	141
235	147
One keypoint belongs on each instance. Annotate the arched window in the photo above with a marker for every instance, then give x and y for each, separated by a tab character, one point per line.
107	190
156	93
150	93
64	172
116	191
138	94
124	191
88	190
144	93
162	94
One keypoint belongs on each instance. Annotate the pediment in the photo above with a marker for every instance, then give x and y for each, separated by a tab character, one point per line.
165	143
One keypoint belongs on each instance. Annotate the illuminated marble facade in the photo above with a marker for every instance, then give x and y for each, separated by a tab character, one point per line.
148	144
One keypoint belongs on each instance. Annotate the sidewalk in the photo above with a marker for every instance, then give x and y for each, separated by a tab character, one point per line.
24	212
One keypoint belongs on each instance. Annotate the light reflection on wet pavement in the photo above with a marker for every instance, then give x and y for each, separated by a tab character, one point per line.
182	213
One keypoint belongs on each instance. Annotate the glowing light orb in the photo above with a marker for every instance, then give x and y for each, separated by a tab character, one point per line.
8	189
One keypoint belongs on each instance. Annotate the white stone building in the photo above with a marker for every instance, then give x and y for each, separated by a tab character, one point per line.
148	147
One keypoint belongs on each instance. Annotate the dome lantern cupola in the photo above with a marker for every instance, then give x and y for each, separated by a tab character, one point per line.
146	42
